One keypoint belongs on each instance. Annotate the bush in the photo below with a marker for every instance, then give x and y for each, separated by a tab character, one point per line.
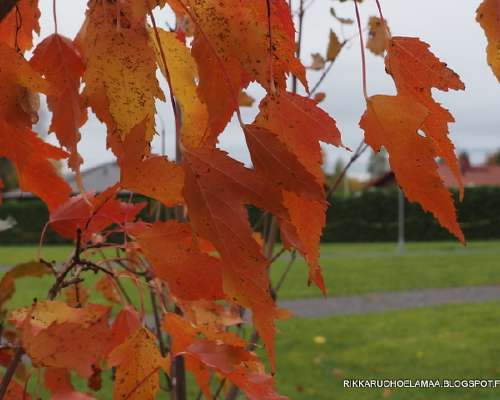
370	216
373	216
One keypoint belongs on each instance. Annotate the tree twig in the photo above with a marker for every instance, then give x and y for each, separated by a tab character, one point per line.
359	151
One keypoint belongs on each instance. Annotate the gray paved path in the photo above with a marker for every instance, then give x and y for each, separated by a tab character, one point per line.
378	302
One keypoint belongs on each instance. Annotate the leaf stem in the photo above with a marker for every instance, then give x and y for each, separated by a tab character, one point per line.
54	14
299	40
386	29
362	45
175	108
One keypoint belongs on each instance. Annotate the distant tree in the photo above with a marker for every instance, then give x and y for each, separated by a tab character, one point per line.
494	159
8	174
378	164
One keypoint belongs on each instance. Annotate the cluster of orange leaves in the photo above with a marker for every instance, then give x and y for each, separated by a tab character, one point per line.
213	256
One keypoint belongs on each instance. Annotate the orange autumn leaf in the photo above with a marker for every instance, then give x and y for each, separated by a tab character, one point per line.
120	76
56	335
20	34
126	323
307	219
216	190
189	273
416	71
32	158
58	60
488	16
394	122
232	360
284	144
288	116
18	80
148	174
58	381
92	214
138	362
15	392
231	47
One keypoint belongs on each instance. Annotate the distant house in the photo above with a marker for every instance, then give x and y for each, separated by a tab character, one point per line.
95	179
472	175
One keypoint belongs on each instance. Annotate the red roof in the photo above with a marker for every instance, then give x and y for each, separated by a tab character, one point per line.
484	175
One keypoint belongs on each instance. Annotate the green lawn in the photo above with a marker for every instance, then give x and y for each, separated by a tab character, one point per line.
365	268
459	341
348	268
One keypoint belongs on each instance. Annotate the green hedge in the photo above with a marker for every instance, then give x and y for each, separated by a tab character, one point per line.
373	216
366	217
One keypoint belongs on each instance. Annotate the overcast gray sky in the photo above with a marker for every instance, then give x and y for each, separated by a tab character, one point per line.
448	25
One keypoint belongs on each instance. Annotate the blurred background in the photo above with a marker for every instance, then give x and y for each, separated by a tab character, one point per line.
405	300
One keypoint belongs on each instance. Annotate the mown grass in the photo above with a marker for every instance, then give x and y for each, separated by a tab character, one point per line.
348	269
456	342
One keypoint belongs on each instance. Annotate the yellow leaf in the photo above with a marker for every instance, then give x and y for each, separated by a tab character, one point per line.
183	74
120	79
319	339
138	362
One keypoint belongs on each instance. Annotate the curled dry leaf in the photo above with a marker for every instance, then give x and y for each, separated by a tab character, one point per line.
377	37
334	47
319	97
345	21
318	62
245	100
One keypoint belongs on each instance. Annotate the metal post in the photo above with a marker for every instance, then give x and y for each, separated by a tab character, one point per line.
401	222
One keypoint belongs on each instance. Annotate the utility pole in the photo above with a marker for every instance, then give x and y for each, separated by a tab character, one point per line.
401	222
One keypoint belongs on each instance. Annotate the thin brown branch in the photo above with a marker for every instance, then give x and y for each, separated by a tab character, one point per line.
159	336
299	41
359	151
283	276
325	72
9	373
